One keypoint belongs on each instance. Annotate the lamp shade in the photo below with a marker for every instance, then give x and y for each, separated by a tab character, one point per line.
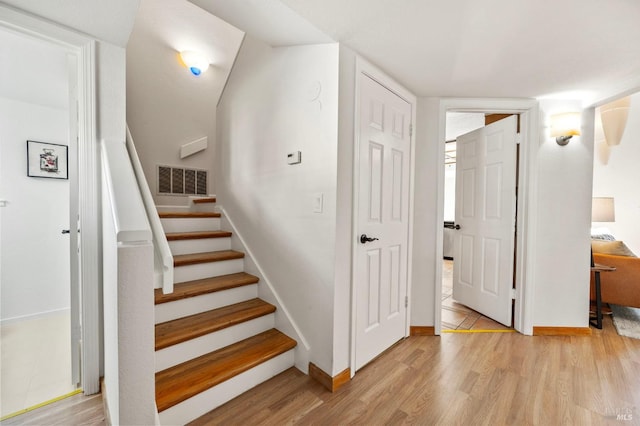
603	209
565	124
614	120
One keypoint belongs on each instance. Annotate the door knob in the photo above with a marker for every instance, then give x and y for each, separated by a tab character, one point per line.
66	231
457	226
364	239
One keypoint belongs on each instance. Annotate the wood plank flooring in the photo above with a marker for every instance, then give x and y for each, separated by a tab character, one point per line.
75	410
493	379
187	215
466	379
199	235
203	286
211	256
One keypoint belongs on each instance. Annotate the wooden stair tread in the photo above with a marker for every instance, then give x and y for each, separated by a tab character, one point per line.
204	286
204	200
175	236
210	256
187	215
182	329
190	378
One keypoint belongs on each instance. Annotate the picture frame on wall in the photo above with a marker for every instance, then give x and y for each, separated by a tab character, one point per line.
47	160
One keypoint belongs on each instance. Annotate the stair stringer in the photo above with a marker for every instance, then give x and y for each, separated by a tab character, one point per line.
283	319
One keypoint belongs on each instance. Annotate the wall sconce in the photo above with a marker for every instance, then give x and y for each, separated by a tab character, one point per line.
564	126
196	62
614	120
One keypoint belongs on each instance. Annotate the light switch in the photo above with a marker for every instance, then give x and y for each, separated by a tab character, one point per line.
318	201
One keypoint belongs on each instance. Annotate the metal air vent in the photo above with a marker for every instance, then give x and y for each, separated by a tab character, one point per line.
181	181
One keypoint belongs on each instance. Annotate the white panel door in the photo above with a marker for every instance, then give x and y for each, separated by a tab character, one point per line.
485	211
382	215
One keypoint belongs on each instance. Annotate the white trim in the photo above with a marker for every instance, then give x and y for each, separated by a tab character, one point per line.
84	48
527	201
366	68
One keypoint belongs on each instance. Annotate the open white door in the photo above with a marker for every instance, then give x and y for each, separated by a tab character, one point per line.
74	248
382	219
485	214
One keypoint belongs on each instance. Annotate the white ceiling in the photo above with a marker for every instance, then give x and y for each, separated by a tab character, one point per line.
467	48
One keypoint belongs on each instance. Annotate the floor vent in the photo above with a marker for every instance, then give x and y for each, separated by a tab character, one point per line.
181	181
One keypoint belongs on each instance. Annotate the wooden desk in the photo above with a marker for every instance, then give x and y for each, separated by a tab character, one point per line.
596	269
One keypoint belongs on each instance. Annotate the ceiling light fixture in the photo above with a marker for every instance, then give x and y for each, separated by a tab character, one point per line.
565	126
195	61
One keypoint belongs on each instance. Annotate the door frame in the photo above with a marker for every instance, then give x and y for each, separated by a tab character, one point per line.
83	48
368	69
527	204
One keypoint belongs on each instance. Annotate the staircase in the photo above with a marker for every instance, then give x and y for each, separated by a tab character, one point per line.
215	339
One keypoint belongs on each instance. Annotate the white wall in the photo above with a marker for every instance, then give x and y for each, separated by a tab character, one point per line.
563	222
277	101
167	106
35	255
616	174
427	228
128	281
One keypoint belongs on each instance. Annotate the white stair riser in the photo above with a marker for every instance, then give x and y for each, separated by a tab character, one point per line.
199	271
199	245
191	224
204	207
206	401
185	351
206	302
170	209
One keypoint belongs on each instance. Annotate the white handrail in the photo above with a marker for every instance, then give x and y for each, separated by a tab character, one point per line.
162	252
129	219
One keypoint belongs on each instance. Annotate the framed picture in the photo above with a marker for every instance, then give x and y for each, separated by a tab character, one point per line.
47	160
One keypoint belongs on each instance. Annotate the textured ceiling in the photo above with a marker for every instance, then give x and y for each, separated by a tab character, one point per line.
467	48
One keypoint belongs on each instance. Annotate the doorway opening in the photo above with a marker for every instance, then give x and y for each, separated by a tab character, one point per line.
526	202
455	315
37	156
86	329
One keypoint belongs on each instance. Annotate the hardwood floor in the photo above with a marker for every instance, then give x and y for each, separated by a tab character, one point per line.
75	410
494	379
